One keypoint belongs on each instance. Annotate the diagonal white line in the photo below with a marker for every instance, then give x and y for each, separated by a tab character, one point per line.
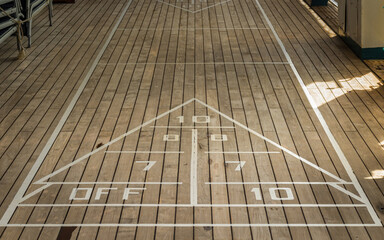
272	142
323	123
190	11
335	185
184	9
47	185
27	181
113	141
211	6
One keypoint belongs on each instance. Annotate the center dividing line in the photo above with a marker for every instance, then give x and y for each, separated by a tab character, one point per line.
194	168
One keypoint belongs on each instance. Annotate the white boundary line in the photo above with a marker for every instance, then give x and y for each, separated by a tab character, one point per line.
134	152
194	139
243	152
173	29
191	127
275	183
27	181
323	123
200	63
113	183
186	205
198	225
19	195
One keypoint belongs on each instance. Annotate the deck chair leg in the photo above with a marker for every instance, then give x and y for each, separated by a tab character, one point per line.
18	42
50	10
29	33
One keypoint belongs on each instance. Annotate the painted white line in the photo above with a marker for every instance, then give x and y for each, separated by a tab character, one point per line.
44	179
244	152
196	225
323	123
189	205
200	63
347	192
194	155
190	11
211	6
272	142
182	29
19	196
112	142
109	183
153	152
35	192
27	181
194	168
184	9
189	127
275	183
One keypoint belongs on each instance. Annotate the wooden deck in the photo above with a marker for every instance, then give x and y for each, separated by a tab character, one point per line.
189	119
329	14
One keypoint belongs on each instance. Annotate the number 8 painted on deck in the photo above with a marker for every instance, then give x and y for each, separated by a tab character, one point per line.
196	119
201	119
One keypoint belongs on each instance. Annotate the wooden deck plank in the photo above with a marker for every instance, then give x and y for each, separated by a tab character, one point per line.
41	23
34	72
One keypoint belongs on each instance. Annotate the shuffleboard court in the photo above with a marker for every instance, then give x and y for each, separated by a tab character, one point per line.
250	177
192	116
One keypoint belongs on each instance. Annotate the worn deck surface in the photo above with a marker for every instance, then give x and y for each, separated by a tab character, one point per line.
182	119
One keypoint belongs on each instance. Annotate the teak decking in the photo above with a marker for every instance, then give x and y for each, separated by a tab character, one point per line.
177	119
